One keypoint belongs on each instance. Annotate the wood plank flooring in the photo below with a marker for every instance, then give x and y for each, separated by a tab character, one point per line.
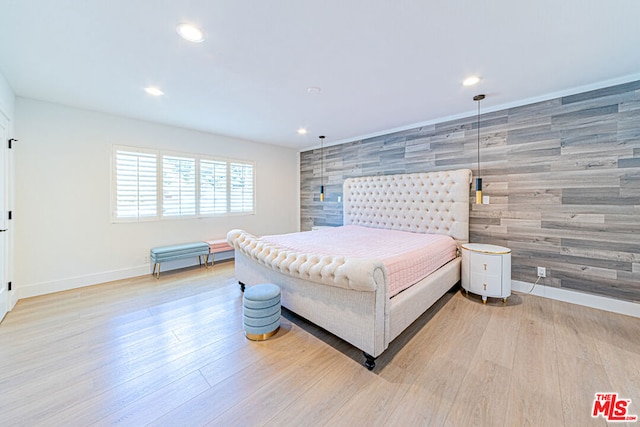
171	352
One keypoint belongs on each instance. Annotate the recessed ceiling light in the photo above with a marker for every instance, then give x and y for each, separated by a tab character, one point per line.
314	89
302	131
190	33
153	91
470	81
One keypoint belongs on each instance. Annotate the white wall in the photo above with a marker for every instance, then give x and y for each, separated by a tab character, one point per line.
64	234
7	98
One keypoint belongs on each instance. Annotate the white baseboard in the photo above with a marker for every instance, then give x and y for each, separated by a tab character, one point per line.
574	297
13	299
42	288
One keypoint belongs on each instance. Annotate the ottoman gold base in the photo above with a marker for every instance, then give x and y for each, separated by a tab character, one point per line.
262	337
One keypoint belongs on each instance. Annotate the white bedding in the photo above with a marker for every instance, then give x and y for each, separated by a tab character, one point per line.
407	257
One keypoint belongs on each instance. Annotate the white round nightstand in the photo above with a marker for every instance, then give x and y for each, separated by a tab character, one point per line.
486	270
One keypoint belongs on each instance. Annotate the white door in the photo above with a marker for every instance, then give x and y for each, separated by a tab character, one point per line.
4	222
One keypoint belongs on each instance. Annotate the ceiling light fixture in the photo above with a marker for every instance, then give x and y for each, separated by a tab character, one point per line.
190	33
478	98
314	90
470	81
153	91
302	131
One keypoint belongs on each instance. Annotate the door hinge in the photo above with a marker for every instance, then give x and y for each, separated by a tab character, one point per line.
9	285
10	215
10	142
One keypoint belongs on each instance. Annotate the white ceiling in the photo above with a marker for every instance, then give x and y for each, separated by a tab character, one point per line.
381	65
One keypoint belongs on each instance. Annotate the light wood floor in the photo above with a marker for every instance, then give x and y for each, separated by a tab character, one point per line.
171	352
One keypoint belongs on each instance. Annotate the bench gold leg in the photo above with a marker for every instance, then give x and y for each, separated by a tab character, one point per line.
154	270
204	258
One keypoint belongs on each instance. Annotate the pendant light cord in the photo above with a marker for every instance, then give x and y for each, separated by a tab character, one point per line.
321	168
478	98
478	125
322	161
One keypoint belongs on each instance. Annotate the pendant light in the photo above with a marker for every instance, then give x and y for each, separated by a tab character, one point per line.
478	98
321	168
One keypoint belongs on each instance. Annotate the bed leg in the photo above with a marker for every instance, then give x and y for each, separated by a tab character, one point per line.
241	286
370	361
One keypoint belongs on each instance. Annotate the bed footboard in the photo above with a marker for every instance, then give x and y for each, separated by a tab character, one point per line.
350	273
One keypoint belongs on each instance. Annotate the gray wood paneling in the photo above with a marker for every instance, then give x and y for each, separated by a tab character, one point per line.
563	177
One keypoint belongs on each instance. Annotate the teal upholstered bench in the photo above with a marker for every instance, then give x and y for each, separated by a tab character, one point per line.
169	253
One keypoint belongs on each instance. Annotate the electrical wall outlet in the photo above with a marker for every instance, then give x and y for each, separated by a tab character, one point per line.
542	272
146	259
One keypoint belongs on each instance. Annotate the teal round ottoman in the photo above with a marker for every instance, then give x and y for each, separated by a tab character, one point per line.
261	311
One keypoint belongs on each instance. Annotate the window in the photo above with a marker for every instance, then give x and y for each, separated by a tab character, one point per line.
241	187
213	187
179	185
136	195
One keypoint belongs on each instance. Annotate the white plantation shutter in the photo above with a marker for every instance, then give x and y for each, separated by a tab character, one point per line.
151	185
136	194
178	186
241	187
213	187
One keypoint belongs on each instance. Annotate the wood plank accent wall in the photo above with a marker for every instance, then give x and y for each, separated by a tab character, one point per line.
563	177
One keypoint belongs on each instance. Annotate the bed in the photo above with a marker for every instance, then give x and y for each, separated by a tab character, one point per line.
355	295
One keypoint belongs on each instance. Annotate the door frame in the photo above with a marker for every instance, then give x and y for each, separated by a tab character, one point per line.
7	193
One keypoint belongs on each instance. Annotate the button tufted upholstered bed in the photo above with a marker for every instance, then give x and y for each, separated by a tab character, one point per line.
350	296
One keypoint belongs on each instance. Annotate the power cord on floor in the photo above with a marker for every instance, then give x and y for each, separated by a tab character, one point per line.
534	285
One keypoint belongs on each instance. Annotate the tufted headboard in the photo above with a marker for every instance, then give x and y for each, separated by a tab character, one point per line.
430	202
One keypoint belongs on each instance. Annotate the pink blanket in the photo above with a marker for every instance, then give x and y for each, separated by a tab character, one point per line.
408	257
